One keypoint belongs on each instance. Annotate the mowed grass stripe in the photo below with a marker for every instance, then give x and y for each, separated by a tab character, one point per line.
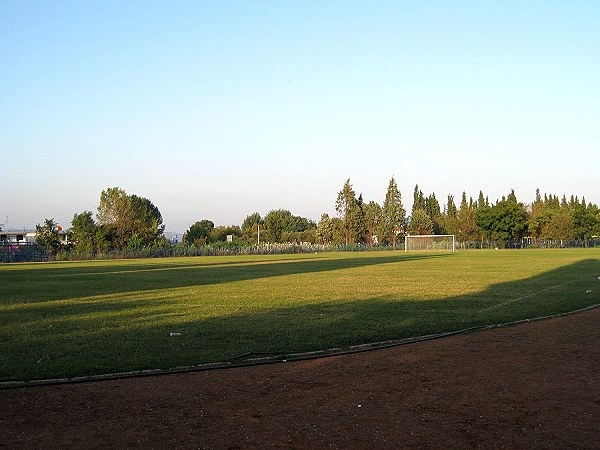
81	318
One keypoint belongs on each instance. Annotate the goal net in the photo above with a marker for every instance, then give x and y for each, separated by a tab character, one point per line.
429	242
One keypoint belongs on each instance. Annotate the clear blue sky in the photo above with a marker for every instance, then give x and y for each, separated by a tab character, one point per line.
214	110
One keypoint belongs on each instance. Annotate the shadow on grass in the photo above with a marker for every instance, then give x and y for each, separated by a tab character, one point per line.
65	281
133	335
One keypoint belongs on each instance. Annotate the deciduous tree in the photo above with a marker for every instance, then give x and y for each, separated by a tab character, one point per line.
199	233
147	220
505	221
325	230
123	216
84	232
585	220
47	235
420	223
560	227
220	233
250	222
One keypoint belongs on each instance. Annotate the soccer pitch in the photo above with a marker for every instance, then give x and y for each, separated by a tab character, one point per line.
83	318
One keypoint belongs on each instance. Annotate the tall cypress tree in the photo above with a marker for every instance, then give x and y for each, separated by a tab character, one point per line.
418	199
393	214
349	212
451	216
432	207
451	209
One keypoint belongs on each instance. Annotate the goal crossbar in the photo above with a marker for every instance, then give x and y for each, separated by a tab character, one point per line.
430	242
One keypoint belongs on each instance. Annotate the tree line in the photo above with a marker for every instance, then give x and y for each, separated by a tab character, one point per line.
125	221
122	221
547	218
370	223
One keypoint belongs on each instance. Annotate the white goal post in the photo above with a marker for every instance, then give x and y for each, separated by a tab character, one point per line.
431	242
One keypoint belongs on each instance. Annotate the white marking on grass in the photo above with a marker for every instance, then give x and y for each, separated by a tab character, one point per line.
533	294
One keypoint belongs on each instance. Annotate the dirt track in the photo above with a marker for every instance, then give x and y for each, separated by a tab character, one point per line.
528	386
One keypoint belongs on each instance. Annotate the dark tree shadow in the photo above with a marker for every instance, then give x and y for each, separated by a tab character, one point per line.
89	344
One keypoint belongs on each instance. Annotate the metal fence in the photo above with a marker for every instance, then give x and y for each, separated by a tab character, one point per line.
529	243
11	252
29	252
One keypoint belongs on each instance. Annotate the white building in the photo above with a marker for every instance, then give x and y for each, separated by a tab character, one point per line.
25	237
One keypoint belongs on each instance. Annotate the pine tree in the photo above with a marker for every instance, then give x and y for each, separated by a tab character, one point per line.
420	223
481	201
373	215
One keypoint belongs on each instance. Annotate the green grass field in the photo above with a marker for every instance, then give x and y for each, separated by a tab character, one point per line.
82	318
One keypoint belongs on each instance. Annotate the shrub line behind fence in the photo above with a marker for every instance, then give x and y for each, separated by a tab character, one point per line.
28	252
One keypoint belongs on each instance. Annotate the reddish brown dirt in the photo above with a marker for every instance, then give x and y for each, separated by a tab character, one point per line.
533	385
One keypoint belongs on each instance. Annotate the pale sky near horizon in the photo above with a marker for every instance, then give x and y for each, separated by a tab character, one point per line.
214	110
